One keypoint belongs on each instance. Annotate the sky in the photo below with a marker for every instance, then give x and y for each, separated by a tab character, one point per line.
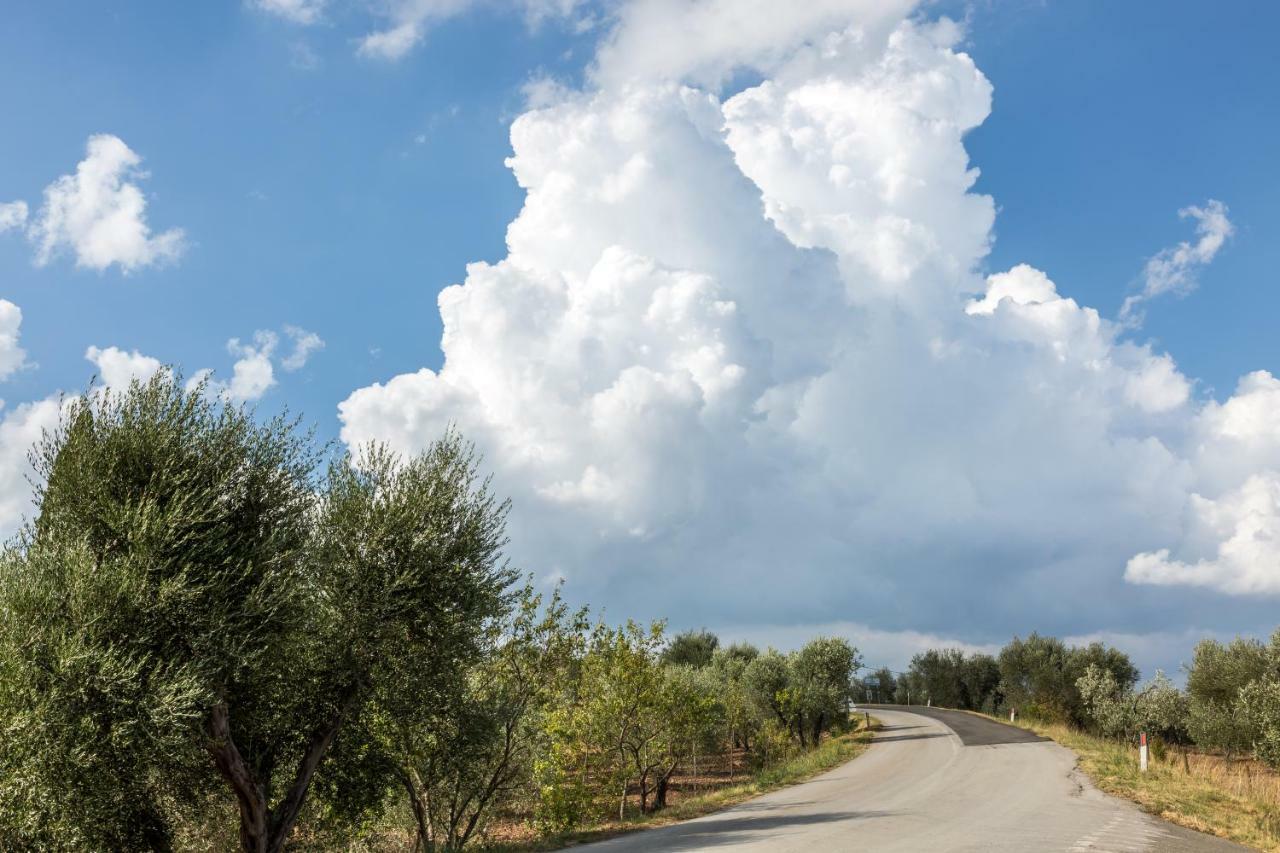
923	323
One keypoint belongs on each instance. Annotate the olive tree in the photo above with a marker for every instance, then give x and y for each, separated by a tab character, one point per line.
194	610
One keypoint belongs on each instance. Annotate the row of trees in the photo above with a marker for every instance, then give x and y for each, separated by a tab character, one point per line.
1231	702
208	633
1037	676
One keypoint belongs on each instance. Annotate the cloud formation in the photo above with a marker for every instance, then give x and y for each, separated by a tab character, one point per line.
741	363
296	11
20	429
12	356
1173	270
305	344
99	214
252	374
13	214
117	368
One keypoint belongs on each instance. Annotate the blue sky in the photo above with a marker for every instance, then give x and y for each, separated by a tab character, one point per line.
325	189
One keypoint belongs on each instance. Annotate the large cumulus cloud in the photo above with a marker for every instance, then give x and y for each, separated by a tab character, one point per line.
742	364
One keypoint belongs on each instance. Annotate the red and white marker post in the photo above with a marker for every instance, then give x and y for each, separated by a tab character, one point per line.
1142	753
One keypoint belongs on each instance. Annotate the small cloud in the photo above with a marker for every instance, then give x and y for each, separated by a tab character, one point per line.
12	356
117	368
304	344
252	375
13	215
303	12
1173	270
99	213
391	44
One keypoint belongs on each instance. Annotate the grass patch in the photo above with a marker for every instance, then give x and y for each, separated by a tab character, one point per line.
830	753
1238	800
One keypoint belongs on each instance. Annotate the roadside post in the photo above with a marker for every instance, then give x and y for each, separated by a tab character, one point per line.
1142	753
1013	715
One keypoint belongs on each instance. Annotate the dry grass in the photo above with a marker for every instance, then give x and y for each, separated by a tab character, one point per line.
1238	799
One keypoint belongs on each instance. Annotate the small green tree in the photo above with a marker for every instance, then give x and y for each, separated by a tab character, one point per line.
822	684
695	720
728	667
1217	676
1259	704
458	760
691	648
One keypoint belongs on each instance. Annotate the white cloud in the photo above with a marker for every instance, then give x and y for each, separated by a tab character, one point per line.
99	213
12	356
733	369
252	375
297	11
1241	533
117	368
20	429
13	214
304	344
1173	270
404	23
706	40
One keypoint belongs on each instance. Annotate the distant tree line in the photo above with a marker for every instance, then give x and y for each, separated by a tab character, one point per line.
1231	703
211	635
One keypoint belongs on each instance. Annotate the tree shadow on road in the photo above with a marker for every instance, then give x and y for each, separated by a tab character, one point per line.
742	825
923	736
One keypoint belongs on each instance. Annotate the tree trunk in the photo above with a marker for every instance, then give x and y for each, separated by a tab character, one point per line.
644	792
423	840
264	829
249	794
817	728
664	783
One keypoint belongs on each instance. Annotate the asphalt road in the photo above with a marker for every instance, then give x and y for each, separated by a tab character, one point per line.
947	781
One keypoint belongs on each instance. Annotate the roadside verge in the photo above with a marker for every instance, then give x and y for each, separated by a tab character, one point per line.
1237	800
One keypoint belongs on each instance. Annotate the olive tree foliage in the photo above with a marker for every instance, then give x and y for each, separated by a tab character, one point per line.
1215	679
691	648
1259	710
194	611
695	718
729	665
1039	675
162	578
807	691
1159	708
1234	693
953	679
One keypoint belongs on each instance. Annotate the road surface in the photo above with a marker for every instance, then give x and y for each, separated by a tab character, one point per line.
966	784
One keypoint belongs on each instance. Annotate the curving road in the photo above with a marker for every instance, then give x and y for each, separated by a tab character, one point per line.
934	781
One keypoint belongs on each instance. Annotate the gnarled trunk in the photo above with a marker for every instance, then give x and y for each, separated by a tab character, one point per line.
264	829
